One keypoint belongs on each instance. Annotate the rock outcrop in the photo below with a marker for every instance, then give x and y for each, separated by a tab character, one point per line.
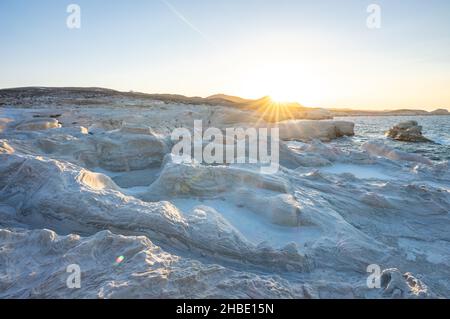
306	130
378	148
146	271
72	195
399	286
409	131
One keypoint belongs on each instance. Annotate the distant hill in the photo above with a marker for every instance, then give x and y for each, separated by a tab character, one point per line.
400	112
89	94
440	112
228	98
97	96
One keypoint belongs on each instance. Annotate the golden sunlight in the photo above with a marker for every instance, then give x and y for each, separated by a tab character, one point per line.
296	91
284	85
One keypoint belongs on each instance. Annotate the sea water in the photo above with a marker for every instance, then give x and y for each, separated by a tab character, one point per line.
368	128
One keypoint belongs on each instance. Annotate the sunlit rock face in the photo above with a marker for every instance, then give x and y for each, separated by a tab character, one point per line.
317	114
305	130
5	148
38	125
94	184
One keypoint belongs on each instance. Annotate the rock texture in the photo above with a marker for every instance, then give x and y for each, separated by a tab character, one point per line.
409	131
309	130
102	184
377	148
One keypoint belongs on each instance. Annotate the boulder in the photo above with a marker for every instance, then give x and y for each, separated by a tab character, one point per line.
409	131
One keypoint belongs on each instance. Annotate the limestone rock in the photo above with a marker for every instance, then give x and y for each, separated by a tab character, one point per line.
5	148
397	285
194	230
305	130
146	270
378	148
409	131
38	125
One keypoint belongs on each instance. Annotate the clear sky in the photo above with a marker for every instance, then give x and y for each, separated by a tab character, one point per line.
319	53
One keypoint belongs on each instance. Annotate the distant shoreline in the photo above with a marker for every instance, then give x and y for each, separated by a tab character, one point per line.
391	115
93	95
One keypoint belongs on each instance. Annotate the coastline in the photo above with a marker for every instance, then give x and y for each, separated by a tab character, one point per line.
92	182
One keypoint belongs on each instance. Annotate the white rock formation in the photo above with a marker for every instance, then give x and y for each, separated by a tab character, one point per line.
38	124
379	149
309	130
146	272
409	131
70	195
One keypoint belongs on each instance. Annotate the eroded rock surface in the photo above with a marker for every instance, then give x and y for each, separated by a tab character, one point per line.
310	130
99	183
409	131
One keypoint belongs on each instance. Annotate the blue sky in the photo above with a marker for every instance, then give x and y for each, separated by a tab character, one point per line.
320	52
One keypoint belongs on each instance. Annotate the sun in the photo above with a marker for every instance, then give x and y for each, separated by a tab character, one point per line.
285	87
283	97
296	90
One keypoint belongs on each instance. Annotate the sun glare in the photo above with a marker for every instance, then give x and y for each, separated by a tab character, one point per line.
305	94
283	97
284	86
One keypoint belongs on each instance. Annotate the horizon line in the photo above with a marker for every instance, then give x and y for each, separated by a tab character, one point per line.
224	94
